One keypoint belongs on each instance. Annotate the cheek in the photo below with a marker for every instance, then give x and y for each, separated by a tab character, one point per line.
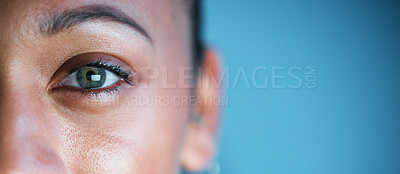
108	155
166	139
97	151
148	143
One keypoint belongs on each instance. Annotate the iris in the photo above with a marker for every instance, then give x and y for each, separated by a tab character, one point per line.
90	78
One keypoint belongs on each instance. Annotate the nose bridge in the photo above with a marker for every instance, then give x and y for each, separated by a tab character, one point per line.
13	108
24	143
17	127
15	104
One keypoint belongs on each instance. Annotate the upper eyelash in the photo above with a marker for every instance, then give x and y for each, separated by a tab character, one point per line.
104	64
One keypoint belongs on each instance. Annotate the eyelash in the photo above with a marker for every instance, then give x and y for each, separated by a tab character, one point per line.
125	75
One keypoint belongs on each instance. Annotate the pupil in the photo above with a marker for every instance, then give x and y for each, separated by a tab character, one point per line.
91	78
89	75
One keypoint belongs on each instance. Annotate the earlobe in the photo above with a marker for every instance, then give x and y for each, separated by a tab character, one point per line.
199	146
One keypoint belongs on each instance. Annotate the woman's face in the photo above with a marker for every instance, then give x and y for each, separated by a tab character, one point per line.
95	86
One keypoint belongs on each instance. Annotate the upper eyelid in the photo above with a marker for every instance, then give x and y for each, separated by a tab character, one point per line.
102	64
117	69
98	63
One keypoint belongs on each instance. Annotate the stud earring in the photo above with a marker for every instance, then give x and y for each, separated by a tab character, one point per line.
197	119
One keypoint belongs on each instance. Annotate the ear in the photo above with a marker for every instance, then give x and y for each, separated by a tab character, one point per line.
199	146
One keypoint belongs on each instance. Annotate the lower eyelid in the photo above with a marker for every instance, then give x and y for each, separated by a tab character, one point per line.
83	101
111	89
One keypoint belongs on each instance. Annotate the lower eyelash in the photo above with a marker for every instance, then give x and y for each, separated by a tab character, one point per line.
96	93
112	90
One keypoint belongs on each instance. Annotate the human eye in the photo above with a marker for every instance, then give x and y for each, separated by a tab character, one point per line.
94	73
91	78
92	83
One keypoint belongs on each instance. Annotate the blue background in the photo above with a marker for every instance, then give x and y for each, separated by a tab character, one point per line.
348	124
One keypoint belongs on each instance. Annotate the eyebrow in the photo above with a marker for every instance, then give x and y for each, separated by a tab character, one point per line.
58	22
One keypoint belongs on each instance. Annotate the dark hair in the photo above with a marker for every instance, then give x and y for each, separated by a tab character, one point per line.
196	23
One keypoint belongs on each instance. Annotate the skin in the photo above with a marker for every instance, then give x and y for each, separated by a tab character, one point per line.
48	130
